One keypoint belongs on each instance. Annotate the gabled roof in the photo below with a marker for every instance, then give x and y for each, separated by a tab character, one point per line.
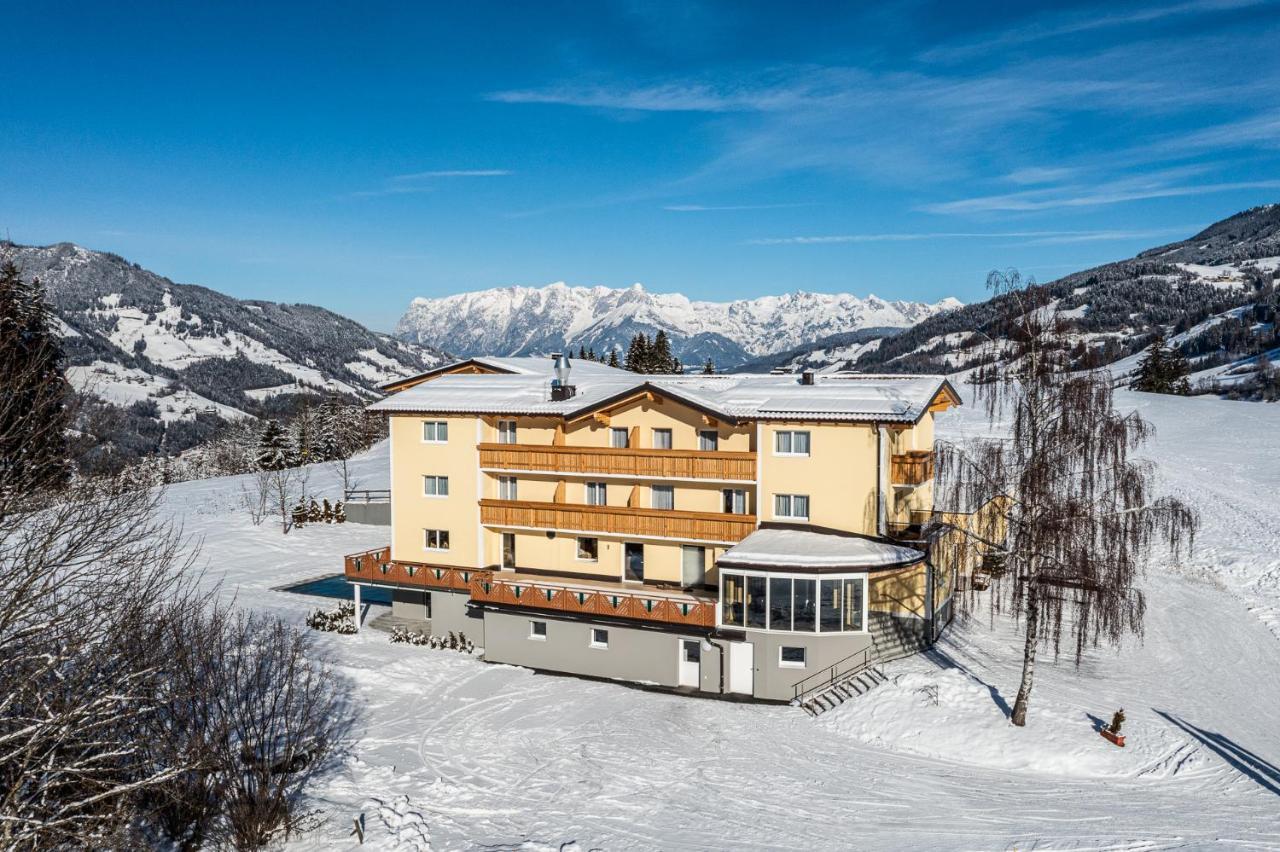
854	397
513	365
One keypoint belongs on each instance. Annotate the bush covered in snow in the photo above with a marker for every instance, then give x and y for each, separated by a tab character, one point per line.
341	619
452	642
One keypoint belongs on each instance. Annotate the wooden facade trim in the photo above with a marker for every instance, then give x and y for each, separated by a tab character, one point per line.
660	464
618	520
486	588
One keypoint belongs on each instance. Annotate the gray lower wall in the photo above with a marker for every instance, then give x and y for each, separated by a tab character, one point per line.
775	682
411	603
449	612
378	514
641	656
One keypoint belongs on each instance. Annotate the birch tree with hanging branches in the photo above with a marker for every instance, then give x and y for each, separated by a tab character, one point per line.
1078	516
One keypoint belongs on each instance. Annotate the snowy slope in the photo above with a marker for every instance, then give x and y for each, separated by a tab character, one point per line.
535	320
453	753
197	341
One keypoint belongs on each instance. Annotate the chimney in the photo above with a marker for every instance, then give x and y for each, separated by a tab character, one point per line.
808	377
560	387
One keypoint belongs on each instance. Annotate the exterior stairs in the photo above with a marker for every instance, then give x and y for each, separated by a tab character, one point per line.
851	686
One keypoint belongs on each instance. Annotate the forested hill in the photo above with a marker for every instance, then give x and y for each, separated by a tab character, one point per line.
1214	295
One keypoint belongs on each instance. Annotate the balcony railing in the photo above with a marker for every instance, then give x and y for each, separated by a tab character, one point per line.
911	468
618	520
656	464
664	608
375	566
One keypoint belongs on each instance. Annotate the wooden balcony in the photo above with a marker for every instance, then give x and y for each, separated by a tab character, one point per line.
375	566
598	600
911	468
654	464
618	520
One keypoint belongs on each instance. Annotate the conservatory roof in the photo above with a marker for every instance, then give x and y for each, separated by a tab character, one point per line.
792	548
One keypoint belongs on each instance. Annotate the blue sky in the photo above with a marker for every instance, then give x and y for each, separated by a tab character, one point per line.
358	156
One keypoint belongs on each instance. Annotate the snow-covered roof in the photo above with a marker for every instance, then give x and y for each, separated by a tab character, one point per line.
834	396
525	365
815	551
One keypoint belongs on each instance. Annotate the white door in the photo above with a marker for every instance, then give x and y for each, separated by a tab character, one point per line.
691	662
742	667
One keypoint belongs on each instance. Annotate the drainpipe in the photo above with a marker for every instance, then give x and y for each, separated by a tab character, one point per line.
882	511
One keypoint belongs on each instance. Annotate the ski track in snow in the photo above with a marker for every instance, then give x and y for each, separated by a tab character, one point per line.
454	753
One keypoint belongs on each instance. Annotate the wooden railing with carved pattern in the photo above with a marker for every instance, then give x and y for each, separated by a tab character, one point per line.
618	520
486	587
911	468
649	464
376	566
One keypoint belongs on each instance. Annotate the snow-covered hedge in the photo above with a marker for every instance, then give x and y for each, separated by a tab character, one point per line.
452	642
342	619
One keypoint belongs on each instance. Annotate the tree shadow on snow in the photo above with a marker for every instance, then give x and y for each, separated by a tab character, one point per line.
1266	774
1098	724
944	660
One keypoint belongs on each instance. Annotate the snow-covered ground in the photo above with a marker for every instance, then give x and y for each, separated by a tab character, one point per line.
454	753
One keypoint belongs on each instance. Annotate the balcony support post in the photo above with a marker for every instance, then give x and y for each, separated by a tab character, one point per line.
355	596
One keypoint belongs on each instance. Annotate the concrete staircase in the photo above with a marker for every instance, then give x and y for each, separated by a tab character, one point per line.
851	686
893	638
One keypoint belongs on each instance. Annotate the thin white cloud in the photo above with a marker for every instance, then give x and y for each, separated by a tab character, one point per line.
1040	174
1062	25
419	182
710	208
1038	200
1031	237
450	173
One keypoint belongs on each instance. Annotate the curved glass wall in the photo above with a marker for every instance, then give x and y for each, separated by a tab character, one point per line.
793	603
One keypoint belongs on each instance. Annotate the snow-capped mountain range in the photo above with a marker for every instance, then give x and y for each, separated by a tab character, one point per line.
536	320
132	336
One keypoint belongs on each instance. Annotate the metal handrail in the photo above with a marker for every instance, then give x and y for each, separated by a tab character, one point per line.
369	495
828	676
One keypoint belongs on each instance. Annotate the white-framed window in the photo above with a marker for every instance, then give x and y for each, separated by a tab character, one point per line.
793	603
793	506
662	497
735	501
619	439
708	440
597	494
435	539
538	630
435	486
792	656
507	488
599	638
662	439
588	549
435	431
790	442
506	431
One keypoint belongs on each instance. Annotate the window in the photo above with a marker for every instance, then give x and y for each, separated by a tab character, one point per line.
435	431
791	657
506	431
735	501
538	630
693	565
791	443
435	486
596	495
507	488
829	608
756	609
588	549
731	600
854	594
662	439
779	603
436	539
619	439
708	440
662	497
791	506
804	606
599	638
509	551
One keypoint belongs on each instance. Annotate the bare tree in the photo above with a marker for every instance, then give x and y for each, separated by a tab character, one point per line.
1079	518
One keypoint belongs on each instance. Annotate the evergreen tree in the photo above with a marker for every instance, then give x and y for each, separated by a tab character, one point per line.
582	353
613	358
638	357
663	361
591	355
33	409
709	368
1162	370
273	447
